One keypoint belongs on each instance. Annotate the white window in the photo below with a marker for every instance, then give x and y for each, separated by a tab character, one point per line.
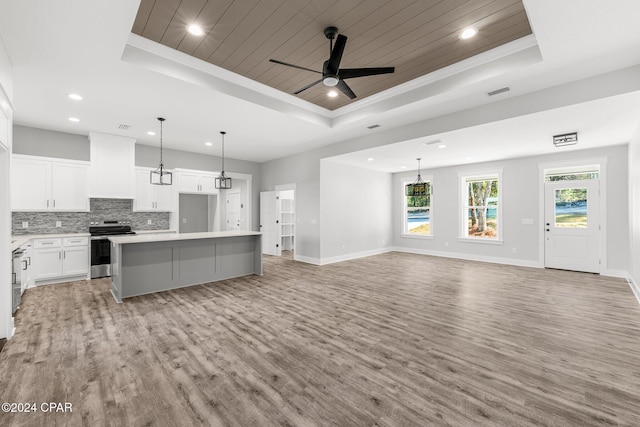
481	216
416	211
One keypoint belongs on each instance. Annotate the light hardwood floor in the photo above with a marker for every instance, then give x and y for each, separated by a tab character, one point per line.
390	340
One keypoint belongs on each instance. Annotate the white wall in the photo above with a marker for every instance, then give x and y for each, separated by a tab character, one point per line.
634	211
6	121
356	211
519	197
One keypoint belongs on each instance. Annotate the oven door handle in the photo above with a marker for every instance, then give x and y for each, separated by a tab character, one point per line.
99	237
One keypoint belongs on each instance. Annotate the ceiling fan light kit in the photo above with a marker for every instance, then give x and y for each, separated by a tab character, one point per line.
332	74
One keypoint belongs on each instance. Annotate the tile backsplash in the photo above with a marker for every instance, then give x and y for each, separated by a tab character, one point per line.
78	222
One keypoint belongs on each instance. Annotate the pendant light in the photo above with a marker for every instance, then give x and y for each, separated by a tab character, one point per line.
223	182
161	176
419	187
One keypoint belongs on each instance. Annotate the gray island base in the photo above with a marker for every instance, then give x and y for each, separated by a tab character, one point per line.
143	264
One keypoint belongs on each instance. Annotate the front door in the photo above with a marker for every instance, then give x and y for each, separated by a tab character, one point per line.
572	225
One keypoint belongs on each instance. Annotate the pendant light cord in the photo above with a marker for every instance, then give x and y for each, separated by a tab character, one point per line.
222	133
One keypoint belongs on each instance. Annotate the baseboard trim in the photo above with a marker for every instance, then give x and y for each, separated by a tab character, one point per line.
634	287
306	259
355	255
615	273
469	257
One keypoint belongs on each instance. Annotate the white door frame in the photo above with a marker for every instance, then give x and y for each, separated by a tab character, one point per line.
285	187
601	162
226	212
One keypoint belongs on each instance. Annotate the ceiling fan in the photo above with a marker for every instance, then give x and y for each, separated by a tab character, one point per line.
332	74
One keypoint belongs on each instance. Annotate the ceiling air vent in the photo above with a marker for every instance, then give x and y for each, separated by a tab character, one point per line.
435	141
497	91
123	126
373	126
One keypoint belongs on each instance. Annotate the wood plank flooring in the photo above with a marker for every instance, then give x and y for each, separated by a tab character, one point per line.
390	340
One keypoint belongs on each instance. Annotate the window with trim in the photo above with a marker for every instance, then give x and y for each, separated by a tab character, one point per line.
481	212
417	211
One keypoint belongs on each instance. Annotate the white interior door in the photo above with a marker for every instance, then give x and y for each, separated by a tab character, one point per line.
572	225
269	223
233	210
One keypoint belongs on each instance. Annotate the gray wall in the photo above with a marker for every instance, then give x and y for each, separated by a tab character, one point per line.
49	143
194	213
519	199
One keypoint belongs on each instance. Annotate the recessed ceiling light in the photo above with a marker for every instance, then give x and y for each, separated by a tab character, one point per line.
468	158
208	144
152	133
74	119
195	29
467	33
332	94
370	159
75	97
403	167
442	146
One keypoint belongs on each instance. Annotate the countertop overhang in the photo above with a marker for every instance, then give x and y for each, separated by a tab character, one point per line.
122	240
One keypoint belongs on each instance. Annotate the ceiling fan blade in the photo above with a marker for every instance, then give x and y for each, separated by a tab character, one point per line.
306	87
336	54
345	89
294	66
349	73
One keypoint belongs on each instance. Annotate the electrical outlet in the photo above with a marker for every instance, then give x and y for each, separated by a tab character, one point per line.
514	250
25	224
149	222
58	224
184	220
446	244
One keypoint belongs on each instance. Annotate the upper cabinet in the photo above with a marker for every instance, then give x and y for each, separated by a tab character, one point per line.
44	184
197	182
112	172
150	197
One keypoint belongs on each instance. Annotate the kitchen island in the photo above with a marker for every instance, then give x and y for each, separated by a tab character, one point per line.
143	264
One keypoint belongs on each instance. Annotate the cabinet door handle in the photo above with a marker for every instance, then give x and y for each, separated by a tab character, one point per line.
24	268
14	279
47	202
54	203
65	254
29	258
47	243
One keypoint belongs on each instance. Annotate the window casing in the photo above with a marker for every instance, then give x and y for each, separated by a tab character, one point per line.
481	213
417	211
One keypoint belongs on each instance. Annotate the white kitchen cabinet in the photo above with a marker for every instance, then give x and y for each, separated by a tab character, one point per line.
58	258
74	261
150	197
196	182
44	184
112	173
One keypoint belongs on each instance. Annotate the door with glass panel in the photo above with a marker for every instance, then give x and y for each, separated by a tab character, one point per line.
572	225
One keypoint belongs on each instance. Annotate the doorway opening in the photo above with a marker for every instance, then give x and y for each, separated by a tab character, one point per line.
572	216
278	221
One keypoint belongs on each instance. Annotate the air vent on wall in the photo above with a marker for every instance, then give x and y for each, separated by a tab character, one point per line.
497	91
123	126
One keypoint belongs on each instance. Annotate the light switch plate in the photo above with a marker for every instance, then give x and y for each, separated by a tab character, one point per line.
58	224
149	222
25	224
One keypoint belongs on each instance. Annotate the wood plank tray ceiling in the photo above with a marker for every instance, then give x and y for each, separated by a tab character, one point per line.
416	37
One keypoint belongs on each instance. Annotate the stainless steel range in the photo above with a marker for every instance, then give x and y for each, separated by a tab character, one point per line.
100	247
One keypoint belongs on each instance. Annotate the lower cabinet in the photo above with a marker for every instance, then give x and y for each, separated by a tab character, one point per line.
58	258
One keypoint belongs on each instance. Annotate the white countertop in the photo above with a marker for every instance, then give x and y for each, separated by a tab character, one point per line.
154	231
168	237
21	239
